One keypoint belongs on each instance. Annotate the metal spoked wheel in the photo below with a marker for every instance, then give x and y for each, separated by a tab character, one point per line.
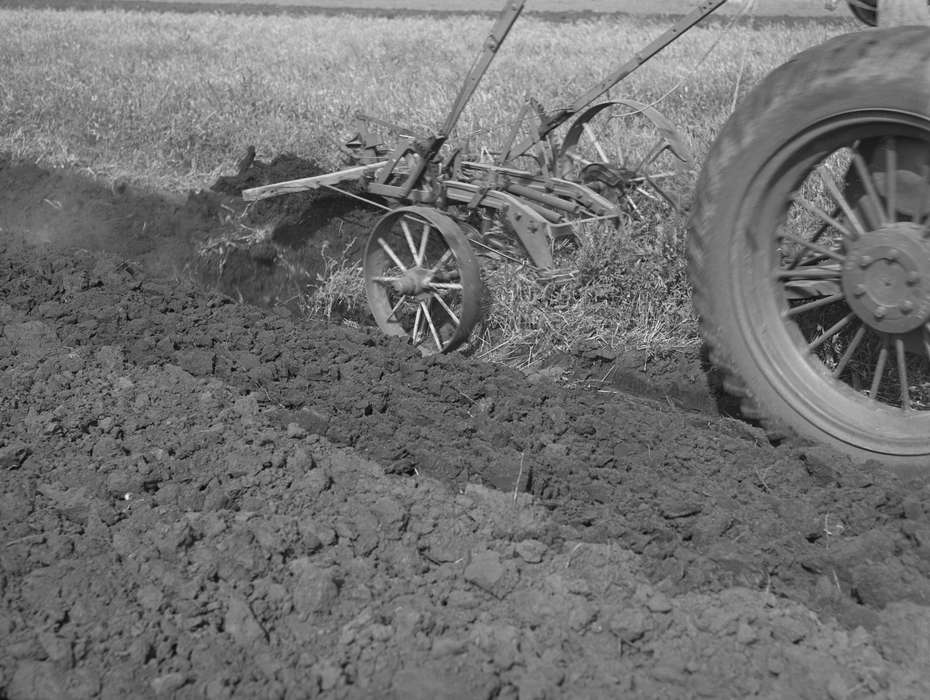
866	11
810	249
422	279
849	266
628	152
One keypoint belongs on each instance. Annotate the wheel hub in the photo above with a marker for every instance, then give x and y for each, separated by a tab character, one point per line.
413	282
886	278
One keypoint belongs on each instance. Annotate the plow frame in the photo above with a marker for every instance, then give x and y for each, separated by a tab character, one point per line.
445	206
539	207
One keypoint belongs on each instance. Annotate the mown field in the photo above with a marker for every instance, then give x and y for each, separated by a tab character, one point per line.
168	101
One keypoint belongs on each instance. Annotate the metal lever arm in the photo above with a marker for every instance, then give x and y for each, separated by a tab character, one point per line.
427	148
499	32
560	117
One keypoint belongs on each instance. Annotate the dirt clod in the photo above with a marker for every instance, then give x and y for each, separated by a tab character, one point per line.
196	502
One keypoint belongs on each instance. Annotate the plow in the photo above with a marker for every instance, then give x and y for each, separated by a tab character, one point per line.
809	239
450	206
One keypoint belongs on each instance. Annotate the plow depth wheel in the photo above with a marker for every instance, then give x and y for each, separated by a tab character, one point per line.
626	151
422	279
810	247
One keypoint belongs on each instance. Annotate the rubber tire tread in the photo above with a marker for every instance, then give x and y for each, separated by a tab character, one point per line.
854	60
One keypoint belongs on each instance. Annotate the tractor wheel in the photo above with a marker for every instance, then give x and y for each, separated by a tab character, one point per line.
809	251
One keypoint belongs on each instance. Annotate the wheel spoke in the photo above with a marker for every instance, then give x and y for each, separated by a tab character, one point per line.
650	156
602	154
662	192
391	254
921	209
447	309
827	178
415	332
826	218
446	285
808	273
824	227
876	201
442	261
424	239
811	305
850	351
647	194
902	373
810	281
409	236
574	156
826	252
432	326
386	281
393	313
654	177
815	260
891	177
831	331
879	369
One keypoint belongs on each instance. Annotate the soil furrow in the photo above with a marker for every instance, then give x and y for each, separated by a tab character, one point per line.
184	510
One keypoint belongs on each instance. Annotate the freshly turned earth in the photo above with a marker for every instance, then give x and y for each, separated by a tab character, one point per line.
205	498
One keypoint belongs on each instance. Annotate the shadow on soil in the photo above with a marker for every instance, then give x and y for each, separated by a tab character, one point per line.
273	252
270	253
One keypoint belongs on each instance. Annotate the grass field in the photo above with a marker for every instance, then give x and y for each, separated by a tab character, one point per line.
764	8
168	101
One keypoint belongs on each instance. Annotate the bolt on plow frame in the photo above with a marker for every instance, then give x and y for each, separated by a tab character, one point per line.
447	207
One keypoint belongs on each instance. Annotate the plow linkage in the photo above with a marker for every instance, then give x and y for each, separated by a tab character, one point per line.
447	206
808	231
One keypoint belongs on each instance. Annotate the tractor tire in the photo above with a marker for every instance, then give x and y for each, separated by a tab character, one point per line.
870	91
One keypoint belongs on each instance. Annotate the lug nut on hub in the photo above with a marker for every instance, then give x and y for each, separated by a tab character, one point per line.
886	278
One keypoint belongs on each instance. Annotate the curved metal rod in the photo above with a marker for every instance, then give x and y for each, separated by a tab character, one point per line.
673	140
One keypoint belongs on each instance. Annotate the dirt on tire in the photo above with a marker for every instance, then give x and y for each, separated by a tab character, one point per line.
203	498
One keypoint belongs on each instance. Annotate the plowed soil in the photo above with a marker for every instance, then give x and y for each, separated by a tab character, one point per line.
206	498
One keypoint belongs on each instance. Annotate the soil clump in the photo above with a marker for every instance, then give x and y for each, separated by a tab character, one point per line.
201	498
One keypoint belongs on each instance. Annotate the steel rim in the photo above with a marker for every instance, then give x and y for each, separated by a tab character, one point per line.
422	280
835	233
627	152
864	10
